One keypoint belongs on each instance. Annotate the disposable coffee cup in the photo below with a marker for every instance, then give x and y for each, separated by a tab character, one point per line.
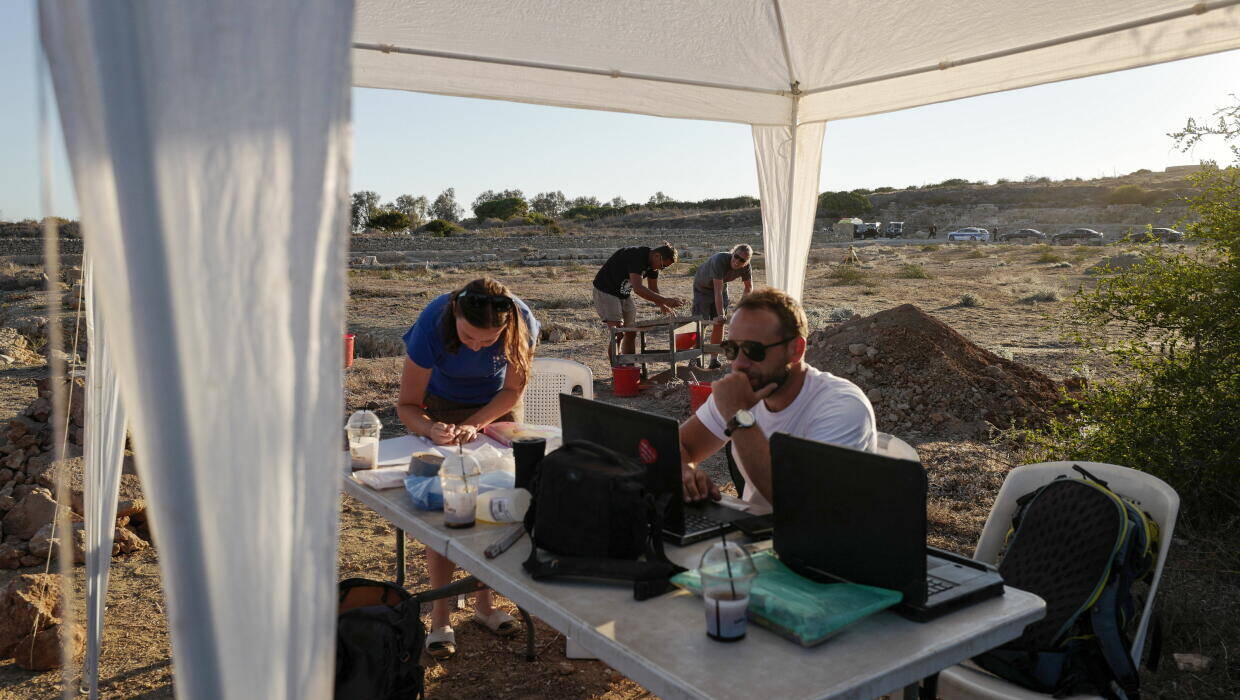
727	575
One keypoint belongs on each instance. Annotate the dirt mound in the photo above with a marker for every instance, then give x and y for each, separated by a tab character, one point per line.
923	376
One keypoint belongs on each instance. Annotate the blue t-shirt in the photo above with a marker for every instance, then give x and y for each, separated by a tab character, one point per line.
465	376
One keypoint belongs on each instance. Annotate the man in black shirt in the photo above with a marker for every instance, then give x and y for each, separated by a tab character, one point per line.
621	277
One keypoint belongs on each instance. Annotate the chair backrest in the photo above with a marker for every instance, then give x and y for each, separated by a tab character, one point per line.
1150	493
893	446
550	378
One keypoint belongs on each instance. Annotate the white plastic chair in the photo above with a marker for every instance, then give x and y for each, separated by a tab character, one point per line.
1150	493
893	446
550	378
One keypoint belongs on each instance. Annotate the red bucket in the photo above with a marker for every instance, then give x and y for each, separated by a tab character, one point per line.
624	379
686	341
348	349
698	393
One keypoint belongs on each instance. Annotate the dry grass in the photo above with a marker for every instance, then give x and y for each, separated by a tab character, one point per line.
1047	257
912	271
848	275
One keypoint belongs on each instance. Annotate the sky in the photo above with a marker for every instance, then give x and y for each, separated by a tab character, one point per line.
409	143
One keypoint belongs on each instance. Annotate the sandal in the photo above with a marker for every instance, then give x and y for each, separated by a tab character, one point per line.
441	643
500	623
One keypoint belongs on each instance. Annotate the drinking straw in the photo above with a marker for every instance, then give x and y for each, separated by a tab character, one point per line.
691	376
728	560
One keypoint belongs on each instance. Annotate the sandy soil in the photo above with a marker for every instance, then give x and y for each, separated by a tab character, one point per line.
964	475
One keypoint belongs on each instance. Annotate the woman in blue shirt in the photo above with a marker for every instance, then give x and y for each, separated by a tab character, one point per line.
468	356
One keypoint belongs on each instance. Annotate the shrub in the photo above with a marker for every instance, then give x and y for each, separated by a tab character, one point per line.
1044	294
388	220
975	254
535	219
929	248
440	227
504	208
1048	257
970	300
845	275
841	313
912	271
1131	194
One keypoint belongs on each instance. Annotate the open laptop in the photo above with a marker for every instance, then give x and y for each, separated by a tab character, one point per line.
655	442
848	515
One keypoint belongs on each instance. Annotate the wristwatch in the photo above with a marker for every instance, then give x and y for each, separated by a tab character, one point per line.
742	419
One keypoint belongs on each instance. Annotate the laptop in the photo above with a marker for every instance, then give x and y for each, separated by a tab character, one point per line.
849	515
655	442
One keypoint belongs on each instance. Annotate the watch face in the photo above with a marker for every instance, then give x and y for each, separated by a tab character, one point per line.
744	418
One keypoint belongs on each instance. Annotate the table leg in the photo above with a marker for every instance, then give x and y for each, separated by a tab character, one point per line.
529	633
911	692
400	557
641	339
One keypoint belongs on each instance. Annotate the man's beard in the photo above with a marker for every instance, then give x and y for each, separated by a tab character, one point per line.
777	377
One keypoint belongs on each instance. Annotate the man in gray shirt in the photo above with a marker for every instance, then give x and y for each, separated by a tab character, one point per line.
710	289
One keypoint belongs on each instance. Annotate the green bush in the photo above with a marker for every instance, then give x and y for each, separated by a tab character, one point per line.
845	275
535	219
1131	194
970	300
1171	325
504	208
439	227
1048	257
912	271
841	204
387	220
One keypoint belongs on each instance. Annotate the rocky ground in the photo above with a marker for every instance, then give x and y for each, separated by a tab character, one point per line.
972	326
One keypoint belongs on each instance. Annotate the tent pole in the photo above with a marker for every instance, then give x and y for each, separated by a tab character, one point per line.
389	48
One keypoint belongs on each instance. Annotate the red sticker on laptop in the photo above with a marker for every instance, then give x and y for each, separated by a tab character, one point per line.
647	452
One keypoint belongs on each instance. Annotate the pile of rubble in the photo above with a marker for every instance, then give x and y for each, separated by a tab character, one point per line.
28	475
924	377
31	626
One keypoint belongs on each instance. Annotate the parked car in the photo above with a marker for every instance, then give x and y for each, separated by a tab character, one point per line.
867	229
1078	235
1166	235
1025	234
969	233
894	229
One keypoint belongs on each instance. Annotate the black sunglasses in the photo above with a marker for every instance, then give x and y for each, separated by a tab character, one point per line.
753	349
739	257
476	300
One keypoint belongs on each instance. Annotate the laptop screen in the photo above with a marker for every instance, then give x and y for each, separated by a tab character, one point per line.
649	439
850	515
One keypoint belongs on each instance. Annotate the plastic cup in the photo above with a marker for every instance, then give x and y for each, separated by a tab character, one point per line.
727	574
458	476
698	393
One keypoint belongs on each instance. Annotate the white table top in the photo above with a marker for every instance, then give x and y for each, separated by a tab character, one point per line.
662	644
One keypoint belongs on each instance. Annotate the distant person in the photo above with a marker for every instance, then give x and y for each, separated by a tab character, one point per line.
710	289
467	360
621	277
934	230
770	389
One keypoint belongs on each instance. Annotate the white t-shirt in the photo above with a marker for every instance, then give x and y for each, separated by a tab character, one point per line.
829	409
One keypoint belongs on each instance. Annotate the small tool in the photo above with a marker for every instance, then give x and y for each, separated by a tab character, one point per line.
504	543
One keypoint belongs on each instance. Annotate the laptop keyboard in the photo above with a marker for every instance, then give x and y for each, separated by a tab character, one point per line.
695	522
934	585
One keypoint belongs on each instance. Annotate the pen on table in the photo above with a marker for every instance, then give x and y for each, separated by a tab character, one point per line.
504	543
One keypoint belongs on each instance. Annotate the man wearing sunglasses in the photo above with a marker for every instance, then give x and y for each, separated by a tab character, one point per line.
710	289
770	389
621	277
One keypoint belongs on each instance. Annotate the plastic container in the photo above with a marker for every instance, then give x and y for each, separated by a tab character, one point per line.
502	506
625	379
459	477
686	341
727	573
363	430
698	393
349	339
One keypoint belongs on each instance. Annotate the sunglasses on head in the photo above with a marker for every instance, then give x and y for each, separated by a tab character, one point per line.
476	300
753	349
740	257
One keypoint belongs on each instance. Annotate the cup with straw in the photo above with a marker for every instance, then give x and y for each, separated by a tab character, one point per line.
727	573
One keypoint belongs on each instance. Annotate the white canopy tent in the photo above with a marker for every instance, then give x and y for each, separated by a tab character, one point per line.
209	152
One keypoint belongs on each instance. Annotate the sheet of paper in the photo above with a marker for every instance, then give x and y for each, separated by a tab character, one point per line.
395	451
471	446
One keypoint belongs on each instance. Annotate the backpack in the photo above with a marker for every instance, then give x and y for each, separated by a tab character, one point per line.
592	514
1080	547
379	638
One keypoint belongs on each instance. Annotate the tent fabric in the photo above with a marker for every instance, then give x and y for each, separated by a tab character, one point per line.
789	160
737	60
104	453
209	145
